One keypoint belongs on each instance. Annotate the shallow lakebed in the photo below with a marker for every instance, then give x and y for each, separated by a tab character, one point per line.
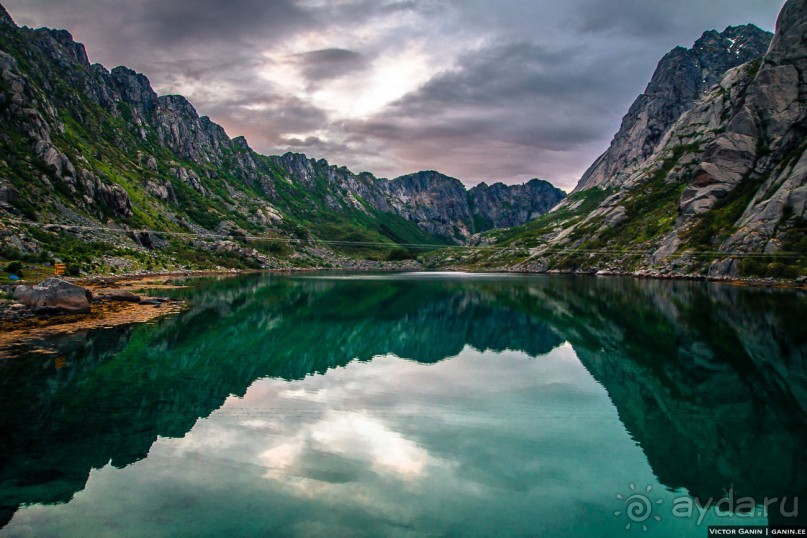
414	404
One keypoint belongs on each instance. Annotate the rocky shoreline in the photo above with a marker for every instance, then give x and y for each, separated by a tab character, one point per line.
797	283
55	307
112	301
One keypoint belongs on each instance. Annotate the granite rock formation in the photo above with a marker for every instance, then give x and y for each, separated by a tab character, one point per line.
682	77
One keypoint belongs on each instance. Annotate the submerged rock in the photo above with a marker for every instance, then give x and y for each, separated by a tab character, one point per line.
55	296
120	296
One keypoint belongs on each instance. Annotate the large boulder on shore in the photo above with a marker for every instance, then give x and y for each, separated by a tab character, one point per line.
55	296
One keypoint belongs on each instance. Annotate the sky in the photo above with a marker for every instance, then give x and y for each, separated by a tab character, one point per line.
481	90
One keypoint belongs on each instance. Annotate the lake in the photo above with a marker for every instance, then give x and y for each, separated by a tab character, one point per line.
415	404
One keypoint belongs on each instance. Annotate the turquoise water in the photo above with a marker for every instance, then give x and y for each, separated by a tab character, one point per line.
415	404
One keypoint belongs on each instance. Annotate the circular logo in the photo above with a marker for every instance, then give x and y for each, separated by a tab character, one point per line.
638	507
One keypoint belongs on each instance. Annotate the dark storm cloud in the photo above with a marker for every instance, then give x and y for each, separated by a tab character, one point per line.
514	88
661	18
330	63
493	75
166	22
642	18
214	20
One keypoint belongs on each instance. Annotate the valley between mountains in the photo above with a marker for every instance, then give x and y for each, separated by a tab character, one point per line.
706	177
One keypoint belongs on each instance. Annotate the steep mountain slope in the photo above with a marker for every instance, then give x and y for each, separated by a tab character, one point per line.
89	158
502	206
682	76
723	193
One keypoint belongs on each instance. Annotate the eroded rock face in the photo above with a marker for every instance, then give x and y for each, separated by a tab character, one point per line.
503	206
437	202
777	102
55	296
681	78
135	89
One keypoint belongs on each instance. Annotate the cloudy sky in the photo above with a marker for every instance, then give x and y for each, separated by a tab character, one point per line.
483	90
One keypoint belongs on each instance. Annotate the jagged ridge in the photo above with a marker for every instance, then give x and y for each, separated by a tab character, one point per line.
681	77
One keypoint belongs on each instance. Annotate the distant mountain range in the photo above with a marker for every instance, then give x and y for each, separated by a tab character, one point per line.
91	152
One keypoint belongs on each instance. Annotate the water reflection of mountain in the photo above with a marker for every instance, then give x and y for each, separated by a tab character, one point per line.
709	380
122	388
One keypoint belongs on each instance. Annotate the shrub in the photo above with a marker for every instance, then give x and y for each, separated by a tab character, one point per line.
400	254
14	268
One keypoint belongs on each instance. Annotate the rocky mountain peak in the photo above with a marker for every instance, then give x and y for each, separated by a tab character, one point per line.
428	180
135	88
501	206
680	79
5	18
240	142
179	105
61	47
717	52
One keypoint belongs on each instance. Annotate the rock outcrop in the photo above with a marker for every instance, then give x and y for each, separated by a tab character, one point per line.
503	206
55	296
681	78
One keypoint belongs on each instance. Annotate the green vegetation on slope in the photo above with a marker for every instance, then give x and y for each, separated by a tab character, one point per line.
112	146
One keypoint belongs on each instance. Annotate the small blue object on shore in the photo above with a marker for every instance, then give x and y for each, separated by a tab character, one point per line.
13	277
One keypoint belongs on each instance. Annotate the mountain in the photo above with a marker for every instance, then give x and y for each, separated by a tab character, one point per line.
681	78
718	191
97	169
503	206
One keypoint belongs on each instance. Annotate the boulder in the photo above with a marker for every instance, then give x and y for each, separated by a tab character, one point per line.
55	296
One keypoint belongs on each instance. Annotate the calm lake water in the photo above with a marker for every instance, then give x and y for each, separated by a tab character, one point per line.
398	405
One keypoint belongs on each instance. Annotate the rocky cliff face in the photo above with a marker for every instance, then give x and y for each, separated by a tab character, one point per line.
500	206
681	78
437	201
741	166
93	151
